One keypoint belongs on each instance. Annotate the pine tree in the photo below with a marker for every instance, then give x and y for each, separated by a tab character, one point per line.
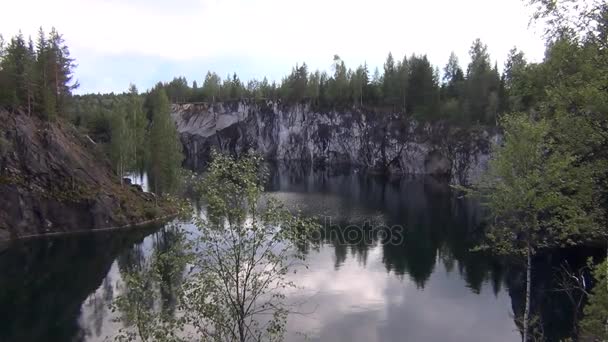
374	89
236	87
46	106
359	81
338	86
453	91
61	67
30	77
4	79
312	90
423	97
165	147
120	142
267	90
481	82
453	77
514	80
388	81
402	82
136	124
211	87
14	64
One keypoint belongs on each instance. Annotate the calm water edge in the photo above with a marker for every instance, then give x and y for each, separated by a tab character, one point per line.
426	287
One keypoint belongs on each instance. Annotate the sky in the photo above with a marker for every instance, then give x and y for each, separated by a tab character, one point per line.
118	42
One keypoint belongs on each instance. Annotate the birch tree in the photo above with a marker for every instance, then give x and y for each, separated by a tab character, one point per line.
538	199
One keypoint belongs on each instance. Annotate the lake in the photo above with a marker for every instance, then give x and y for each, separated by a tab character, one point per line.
393	264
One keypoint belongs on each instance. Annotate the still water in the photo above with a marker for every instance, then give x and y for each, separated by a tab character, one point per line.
426	287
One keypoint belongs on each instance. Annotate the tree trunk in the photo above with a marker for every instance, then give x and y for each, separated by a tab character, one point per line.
242	337
29	101
528	287
56	88
121	171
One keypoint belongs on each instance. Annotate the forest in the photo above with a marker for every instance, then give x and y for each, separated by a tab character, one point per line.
411	86
547	184
37	79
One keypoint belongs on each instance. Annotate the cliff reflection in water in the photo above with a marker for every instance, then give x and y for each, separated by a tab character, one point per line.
427	222
418	281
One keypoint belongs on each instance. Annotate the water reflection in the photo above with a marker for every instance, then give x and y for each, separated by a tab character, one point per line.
429	287
421	212
358	287
44	283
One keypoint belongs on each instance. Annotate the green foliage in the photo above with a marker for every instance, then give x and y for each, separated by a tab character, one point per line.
295	86
248	243
36	79
595	323
245	246
135	139
538	194
410	87
452	91
177	90
119	148
423	97
165	147
151	291
538	198
119	123
547	184
481	86
211	87
137	124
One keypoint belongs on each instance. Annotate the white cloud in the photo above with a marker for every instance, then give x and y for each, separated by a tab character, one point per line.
279	32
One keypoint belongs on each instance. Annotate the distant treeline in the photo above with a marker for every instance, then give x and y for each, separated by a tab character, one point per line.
411	86
38	77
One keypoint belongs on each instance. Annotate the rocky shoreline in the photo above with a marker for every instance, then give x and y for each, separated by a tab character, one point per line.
54	180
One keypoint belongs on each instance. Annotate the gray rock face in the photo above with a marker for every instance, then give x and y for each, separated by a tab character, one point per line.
376	142
54	180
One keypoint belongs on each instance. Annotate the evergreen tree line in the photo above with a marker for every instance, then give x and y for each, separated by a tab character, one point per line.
36	77
412	86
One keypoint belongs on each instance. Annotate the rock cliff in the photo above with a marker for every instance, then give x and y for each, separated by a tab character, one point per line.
375	141
52	179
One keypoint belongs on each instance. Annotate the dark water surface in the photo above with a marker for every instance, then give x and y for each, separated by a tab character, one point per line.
359	286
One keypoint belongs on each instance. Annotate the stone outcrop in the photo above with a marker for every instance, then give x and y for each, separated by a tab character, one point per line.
54	180
377	142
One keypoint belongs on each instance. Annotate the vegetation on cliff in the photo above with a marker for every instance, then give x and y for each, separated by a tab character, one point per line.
53	178
547	184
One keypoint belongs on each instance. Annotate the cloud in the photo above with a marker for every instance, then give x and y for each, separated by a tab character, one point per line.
365	303
269	35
